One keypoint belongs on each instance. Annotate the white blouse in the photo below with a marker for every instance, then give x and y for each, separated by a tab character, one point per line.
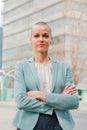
44	71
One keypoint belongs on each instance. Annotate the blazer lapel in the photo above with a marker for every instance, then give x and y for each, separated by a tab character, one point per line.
34	73
54	71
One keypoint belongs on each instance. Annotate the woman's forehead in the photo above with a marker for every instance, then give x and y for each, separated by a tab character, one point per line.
38	28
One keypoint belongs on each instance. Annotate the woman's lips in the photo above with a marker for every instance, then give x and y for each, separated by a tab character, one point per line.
41	45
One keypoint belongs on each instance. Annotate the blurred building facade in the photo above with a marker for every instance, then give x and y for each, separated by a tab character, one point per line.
67	18
62	15
1	32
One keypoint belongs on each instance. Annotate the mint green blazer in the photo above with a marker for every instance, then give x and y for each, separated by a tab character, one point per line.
25	79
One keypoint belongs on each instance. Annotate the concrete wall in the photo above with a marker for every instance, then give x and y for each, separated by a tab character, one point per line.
62	15
1	31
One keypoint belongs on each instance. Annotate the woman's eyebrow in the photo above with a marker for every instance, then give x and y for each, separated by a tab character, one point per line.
42	34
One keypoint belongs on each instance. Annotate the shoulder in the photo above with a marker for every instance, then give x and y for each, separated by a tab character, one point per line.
62	64
23	62
20	63
62	67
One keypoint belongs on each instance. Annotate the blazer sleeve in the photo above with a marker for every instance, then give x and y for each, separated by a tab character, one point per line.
64	101
24	102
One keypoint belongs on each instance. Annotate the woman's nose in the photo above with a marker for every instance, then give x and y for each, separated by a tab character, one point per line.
41	38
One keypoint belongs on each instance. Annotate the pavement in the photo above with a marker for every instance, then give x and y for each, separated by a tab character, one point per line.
8	110
7	113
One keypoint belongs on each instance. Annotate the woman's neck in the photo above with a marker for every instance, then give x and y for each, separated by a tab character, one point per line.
41	57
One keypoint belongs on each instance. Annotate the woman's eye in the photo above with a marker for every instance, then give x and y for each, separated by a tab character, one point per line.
46	36
36	35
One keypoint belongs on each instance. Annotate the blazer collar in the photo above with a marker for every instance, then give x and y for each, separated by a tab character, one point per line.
34	73
54	71
32	60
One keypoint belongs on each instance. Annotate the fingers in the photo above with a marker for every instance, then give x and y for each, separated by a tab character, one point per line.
69	90
31	94
37	95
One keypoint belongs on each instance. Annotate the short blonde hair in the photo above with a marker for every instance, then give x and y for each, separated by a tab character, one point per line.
42	24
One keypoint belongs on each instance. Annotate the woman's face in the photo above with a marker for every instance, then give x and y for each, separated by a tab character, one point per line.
40	38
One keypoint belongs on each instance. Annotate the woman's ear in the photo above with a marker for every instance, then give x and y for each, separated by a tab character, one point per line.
51	41
30	41
51	44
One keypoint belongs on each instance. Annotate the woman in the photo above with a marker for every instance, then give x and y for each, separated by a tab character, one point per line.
44	90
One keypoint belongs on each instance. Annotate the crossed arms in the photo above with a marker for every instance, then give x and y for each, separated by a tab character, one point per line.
42	95
37	101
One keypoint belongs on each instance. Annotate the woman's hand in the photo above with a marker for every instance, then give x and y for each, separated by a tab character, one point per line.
69	90
37	94
33	94
42	96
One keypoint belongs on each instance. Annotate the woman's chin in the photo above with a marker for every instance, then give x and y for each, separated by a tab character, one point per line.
42	50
